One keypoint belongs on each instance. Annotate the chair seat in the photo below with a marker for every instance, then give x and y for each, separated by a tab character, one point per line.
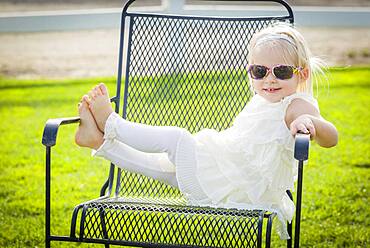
169	221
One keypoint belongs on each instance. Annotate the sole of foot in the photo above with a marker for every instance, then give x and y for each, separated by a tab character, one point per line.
100	105
88	133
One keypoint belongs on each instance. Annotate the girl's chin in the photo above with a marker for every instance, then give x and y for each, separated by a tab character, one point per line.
272	97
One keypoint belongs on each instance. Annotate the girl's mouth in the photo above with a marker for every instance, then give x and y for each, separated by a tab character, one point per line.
271	90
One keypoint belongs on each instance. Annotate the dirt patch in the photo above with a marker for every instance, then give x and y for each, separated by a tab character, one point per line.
59	54
340	46
95	53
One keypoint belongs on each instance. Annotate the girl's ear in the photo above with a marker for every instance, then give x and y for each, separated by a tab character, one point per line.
305	73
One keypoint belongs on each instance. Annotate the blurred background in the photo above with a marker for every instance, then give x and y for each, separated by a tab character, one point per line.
33	47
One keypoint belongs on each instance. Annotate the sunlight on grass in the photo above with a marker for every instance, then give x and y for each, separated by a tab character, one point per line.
336	181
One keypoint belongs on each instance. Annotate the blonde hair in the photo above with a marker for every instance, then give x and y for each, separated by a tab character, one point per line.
293	46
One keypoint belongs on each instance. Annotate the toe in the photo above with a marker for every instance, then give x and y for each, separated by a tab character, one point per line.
81	109
85	98
103	88
82	106
98	91
91	95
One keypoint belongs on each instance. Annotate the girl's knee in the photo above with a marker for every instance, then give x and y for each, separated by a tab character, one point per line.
184	131
185	135
179	135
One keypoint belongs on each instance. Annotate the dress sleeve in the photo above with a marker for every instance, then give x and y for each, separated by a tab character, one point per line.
304	96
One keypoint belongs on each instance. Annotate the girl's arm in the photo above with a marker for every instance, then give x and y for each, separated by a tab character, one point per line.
303	116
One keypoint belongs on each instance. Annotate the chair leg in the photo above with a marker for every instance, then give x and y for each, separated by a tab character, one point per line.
104	229
268	230
289	241
47	196
290	225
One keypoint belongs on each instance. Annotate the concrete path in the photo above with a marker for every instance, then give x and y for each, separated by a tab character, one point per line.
110	18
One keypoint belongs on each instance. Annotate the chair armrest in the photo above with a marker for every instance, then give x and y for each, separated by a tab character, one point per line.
51	129
301	147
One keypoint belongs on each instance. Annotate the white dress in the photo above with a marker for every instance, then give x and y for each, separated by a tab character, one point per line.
247	166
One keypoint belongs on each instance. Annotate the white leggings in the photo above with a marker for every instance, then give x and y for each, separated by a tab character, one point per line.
140	148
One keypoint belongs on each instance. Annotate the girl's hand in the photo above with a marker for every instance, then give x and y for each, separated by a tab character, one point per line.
303	124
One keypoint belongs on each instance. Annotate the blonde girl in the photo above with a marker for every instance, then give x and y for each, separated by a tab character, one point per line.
249	165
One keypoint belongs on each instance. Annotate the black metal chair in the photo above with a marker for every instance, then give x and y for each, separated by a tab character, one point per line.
187	71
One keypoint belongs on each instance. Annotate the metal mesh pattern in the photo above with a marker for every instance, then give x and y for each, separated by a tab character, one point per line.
160	224
188	72
185	72
137	186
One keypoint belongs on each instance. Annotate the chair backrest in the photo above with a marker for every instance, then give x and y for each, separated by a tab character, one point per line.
186	71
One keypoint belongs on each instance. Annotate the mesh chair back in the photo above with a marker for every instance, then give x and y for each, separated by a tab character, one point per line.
184	71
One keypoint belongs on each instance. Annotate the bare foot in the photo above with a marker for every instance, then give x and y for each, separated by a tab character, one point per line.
100	105
88	134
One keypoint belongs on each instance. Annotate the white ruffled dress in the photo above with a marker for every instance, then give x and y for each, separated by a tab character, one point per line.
247	166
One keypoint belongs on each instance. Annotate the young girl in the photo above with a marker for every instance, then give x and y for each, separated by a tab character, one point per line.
249	165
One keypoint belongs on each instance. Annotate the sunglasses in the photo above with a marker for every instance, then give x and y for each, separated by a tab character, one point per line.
282	72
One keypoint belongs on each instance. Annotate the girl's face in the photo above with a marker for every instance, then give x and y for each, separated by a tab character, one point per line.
270	87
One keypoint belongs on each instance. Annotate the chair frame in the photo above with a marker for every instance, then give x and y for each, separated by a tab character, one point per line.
50	134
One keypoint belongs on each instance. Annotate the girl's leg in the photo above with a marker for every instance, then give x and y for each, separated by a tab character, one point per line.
177	142
156	165
145	138
153	142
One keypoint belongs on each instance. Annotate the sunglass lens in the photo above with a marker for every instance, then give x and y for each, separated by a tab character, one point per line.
258	71
283	72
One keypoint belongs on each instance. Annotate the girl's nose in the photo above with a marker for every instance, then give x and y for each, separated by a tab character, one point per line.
270	78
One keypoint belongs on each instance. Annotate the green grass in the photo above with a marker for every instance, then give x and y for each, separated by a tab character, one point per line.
336	189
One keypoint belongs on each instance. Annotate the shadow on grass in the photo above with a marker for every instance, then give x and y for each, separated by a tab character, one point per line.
40	85
9	83
362	166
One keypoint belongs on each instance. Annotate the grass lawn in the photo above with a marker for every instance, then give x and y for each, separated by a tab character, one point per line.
336	210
